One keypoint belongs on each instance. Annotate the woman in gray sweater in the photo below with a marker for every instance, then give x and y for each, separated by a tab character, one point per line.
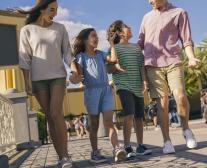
44	47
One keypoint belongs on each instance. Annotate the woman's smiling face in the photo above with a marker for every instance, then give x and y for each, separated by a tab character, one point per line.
50	12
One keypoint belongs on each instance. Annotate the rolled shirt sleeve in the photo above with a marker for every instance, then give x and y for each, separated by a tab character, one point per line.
185	30
25	51
66	48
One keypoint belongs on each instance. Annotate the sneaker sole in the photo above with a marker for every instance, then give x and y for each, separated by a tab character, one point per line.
121	156
67	166
130	157
100	161
172	152
190	147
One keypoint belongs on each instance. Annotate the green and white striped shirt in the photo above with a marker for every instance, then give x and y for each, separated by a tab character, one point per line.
131	60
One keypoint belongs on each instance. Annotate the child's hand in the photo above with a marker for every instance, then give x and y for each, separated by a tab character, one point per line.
111	39
119	68
75	78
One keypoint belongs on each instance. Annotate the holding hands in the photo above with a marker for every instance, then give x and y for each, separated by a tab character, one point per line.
75	78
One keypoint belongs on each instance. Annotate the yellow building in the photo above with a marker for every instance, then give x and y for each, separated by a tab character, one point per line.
11	77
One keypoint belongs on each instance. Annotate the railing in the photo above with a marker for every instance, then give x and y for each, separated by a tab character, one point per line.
7	132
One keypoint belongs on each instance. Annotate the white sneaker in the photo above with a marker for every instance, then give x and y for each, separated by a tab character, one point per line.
65	163
190	139
168	148
119	154
157	128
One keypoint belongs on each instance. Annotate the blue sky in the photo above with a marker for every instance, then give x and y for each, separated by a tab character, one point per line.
101	13
79	14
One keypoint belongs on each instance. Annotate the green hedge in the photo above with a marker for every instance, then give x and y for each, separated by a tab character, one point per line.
41	125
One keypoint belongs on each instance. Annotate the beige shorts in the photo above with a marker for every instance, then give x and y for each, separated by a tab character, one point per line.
165	80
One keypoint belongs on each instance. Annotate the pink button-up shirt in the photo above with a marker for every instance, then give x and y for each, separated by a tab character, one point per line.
160	34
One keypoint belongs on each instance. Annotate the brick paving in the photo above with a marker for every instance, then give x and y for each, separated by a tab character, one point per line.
45	156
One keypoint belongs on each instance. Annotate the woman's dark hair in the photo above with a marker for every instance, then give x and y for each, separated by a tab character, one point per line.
34	13
79	44
115	28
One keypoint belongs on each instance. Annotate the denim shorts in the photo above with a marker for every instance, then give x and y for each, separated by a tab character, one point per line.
46	85
98	99
131	104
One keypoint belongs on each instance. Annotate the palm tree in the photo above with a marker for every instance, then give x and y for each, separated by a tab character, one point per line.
195	79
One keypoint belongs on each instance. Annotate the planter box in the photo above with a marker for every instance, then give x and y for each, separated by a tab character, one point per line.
195	106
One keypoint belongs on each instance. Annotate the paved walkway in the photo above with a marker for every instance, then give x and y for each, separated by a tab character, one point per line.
45	156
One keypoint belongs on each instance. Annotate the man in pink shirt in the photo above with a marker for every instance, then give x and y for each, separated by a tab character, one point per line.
161	31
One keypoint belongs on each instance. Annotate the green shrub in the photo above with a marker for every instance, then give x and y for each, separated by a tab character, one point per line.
41	125
195	78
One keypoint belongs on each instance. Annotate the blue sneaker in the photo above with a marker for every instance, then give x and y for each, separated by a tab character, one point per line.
142	150
96	157
130	154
